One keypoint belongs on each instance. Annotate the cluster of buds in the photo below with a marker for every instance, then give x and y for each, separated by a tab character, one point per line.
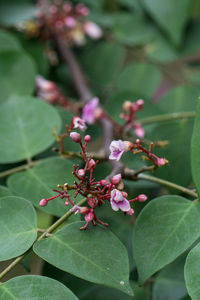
96	192
57	17
129	111
118	148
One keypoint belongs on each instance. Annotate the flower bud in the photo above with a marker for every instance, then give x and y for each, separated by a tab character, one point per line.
116	179
142	198
89	216
91	164
75	136
66	203
130	212
81	172
124	194
140	103
87	138
103	182
161	162
127	105
43	202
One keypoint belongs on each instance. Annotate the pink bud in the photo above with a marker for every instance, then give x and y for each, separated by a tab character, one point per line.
43	202
116	179
89	216
67	7
81	172
124	194
161	161
138	141
66	203
130	212
75	136
140	103
139	131
91	164
103	182
87	138
142	198
70	22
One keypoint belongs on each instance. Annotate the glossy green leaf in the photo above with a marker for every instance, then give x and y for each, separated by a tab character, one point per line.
26	127
4	191
38	183
105	262
168	225
133	77
195	146
100	64
18	226
165	14
31	287
169	283
192	272
8	41
17	74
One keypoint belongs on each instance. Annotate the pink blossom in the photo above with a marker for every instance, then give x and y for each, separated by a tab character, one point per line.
116	179
70	22
75	136
75	209
139	131
89	110
118	201
78	123
117	148
92	30
44	85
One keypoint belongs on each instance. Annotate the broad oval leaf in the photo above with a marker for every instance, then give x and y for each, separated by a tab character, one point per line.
195	146
166	227
4	191
18	225
29	287
17	74
26	127
38	183
8	41
96	255
192	272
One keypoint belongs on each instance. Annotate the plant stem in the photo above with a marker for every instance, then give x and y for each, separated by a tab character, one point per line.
168	184
168	117
49	230
20	168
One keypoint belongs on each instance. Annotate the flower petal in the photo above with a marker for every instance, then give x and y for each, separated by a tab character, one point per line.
124	205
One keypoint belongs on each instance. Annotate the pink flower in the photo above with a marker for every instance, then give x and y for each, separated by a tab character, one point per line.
44	85
118	201
117	148
70	22
75	209
139	131
79	123
89	110
92	30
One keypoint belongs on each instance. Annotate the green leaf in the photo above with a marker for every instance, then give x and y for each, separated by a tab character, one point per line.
26	127
38	183
18	225
165	14
8	41
17	74
192	272
168	225
95	255
169	284
4	191
29	287
195	146
133	77
96	58
130	29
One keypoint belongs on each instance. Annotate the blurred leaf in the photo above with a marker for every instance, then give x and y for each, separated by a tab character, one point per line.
26	127
4	191
140	78
176	227
14	13
169	284
165	14
129	29
17	74
100	64
35	287
195	146
38	183
192	272
18	226
106	262
192	43
8	41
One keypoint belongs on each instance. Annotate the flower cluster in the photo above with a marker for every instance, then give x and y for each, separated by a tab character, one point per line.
96	192
57	17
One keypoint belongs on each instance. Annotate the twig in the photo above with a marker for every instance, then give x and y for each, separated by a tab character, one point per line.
20	168
168	117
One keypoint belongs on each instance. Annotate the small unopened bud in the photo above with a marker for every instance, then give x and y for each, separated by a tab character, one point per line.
43	202
91	164
66	203
139	131
130	212
99	113
161	161
89	216
75	136
81	172
87	138
127	105
128	146
140	103
103	182
138	141
142	198
125	195
116	179
70	22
